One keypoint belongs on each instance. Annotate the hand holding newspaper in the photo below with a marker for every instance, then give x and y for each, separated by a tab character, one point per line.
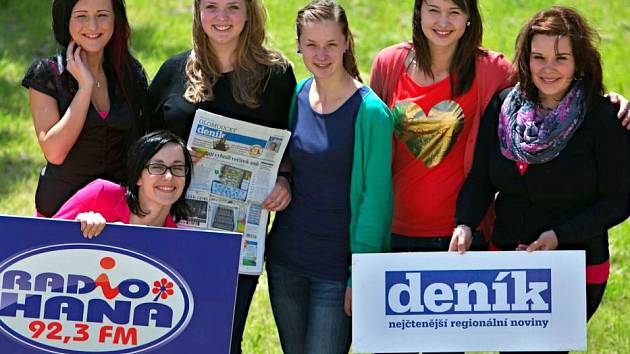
236	173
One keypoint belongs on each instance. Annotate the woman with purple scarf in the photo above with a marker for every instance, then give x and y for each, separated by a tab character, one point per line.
551	151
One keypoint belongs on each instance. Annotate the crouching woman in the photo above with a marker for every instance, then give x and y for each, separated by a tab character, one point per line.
158	175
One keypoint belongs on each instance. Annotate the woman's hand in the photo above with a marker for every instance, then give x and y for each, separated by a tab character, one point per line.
461	240
76	65
347	302
624	108
92	224
547	241
280	196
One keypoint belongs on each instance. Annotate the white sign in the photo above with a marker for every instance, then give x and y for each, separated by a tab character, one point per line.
479	301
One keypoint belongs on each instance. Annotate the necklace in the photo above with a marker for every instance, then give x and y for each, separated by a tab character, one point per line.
100	82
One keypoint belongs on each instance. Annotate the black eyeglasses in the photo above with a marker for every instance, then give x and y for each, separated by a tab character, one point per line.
160	169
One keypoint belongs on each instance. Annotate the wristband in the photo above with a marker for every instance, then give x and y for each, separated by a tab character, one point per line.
285	174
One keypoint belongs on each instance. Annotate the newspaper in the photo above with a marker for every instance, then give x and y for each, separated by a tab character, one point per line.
236	174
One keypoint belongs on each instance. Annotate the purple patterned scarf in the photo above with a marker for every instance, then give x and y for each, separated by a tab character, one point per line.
528	136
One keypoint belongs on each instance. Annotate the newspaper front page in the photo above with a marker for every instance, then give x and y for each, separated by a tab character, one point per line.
237	172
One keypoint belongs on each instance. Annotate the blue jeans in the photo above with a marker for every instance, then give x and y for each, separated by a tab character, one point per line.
308	312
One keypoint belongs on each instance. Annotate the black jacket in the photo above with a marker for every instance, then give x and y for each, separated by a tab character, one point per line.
580	194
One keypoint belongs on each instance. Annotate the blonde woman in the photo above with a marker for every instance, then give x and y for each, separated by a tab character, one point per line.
230	72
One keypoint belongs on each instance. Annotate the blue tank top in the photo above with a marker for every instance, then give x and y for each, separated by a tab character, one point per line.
312	234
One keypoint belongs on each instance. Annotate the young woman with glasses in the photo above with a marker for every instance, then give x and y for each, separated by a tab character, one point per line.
158	174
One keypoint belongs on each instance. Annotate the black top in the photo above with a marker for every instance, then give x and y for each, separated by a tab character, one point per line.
171	111
579	194
100	150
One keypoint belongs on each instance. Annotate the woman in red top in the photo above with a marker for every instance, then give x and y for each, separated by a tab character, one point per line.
438	85
433	85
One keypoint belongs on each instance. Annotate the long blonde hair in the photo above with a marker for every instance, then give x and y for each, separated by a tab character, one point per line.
252	60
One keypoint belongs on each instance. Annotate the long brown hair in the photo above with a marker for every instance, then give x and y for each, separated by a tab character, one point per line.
252	60
462	67
561	22
326	10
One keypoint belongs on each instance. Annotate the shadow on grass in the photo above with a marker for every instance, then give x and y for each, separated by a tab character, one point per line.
26	27
16	168
20	157
26	36
14	98
8	137
144	41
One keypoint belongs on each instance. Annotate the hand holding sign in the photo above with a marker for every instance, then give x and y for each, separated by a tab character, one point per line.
92	224
547	241
461	240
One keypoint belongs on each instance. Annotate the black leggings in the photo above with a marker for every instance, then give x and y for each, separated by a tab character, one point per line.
244	295
594	295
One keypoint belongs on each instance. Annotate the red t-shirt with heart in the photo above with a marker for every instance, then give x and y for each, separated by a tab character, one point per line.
431	130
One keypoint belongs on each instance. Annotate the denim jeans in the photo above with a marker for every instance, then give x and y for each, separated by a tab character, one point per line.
308	312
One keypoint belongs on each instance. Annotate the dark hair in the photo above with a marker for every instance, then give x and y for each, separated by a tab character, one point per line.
462	68
139	155
561	22
322	10
130	78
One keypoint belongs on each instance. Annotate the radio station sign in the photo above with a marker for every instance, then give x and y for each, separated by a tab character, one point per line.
130	290
480	301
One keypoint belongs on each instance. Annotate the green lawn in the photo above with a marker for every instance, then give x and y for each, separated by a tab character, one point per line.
162	28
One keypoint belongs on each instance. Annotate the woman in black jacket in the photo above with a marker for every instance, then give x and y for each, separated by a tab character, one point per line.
552	152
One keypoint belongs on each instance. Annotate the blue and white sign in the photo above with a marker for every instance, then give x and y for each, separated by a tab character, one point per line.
480	301
130	290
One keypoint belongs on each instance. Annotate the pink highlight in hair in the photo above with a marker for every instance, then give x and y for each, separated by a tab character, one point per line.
119	46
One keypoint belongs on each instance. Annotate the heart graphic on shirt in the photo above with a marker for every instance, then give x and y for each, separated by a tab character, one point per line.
429	137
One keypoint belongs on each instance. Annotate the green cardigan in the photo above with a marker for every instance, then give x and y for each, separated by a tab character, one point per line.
371	196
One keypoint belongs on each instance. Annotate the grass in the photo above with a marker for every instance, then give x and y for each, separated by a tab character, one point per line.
162	28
